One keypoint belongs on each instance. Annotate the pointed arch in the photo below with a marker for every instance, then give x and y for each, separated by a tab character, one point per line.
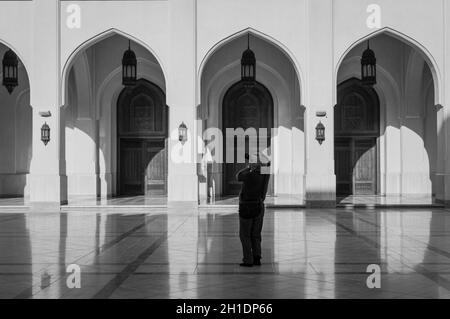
424	52
22	64
19	55
279	45
92	41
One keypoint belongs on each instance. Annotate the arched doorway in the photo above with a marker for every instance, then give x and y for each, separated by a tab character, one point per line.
409	160
142	140
357	128
246	108
16	134
93	84
277	73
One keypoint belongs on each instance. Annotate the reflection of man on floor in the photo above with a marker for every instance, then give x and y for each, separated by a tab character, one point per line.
255	181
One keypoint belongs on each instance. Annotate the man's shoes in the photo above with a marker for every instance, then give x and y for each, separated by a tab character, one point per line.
246	265
257	262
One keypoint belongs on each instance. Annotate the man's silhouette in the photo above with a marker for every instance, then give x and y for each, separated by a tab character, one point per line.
255	180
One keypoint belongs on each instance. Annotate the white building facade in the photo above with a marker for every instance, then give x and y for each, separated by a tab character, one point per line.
107	140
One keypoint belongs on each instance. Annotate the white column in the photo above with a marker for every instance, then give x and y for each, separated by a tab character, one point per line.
47	180
320	176
444	117
181	93
441	153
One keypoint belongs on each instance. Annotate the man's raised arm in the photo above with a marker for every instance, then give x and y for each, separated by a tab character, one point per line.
242	174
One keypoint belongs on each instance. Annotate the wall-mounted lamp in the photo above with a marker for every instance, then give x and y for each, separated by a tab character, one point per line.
182	133
45	134
320	133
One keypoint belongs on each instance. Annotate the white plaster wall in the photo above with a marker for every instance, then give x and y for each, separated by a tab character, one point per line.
316	34
16	29
196	28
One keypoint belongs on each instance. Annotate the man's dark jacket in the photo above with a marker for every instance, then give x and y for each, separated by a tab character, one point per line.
253	192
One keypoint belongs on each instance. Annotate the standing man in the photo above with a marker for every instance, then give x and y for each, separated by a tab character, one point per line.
255	181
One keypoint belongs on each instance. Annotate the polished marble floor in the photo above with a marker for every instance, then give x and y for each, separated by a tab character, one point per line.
173	253
279	201
89	201
387	201
271	201
152	201
13	202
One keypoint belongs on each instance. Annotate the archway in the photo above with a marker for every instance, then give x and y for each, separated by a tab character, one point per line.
277	73
407	147
142	140
94	92
357	129
16	122
246	108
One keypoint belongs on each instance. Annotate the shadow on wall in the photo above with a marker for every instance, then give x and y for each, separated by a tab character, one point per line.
16	119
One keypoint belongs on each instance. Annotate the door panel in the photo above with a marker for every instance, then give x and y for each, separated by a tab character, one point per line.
364	171
143	168
246	109
343	162
156	172
232	186
131	167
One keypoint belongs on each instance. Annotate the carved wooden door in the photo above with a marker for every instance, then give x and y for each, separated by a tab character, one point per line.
142	134
356	133
344	165
246	109
131	167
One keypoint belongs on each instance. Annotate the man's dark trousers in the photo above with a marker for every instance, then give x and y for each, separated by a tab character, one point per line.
250	234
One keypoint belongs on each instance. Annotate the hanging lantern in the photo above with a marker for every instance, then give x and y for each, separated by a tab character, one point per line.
248	66
320	133
10	71
369	67
129	67
45	134
183	133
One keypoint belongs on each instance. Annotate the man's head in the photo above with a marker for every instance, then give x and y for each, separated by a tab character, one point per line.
257	160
